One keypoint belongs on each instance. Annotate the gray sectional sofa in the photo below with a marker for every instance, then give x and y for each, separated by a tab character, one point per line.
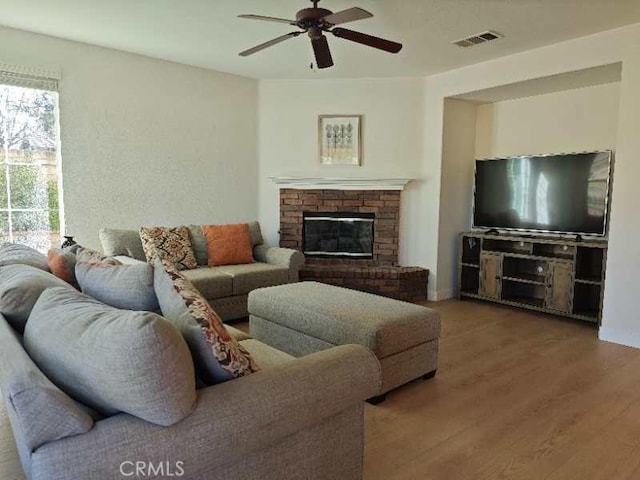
296	418
225	287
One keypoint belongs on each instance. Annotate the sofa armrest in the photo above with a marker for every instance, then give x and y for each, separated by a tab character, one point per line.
230	420
285	257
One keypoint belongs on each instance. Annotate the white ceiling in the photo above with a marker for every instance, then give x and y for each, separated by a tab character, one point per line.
207	33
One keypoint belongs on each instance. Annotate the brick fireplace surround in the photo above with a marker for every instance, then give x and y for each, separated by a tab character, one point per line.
380	275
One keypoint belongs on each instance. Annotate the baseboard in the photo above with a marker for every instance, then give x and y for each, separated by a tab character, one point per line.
432	295
627	338
445	294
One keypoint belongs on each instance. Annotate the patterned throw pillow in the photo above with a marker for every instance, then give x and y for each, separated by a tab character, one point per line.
168	243
217	356
228	244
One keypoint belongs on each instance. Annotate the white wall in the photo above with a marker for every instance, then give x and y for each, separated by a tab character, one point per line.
569	121
621	320
146	141
458	154
392	136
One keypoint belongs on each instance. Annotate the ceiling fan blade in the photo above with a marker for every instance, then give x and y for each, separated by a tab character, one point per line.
268	19
322	52
349	15
369	40
270	43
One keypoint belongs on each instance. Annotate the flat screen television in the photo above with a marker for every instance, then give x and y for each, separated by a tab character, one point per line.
565	194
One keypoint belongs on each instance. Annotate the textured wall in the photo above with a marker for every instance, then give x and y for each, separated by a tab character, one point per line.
392	139
146	141
568	121
458	145
621	318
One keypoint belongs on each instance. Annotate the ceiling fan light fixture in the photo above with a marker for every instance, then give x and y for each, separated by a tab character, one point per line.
316	22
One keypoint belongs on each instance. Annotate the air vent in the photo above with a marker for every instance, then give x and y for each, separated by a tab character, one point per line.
477	39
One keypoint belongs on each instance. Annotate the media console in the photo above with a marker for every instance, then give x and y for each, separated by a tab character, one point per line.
552	275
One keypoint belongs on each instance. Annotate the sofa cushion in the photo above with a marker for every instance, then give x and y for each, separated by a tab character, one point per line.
20	287
239	335
210	282
62	264
338	316
199	244
265	355
255	275
255	234
129	287
13	253
169	243
42	412
121	242
217	356
84	254
112	360
228	244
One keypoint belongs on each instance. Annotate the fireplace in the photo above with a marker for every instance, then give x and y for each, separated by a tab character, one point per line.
338	234
380	206
350	239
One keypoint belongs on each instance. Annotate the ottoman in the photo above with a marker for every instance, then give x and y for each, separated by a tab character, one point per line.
306	317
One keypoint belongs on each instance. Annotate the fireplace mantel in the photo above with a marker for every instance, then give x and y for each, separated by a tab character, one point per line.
323	183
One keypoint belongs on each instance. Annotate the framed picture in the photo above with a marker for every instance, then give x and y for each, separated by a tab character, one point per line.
340	139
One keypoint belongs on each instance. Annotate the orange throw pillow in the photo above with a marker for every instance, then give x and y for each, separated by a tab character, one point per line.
63	264
228	244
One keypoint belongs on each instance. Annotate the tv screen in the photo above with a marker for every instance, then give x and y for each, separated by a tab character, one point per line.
548	193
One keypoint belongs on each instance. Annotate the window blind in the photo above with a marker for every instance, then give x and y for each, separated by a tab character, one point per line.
29	76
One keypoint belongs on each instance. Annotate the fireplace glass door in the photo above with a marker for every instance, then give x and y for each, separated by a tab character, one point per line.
338	234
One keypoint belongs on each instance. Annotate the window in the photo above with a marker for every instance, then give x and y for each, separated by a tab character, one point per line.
29	167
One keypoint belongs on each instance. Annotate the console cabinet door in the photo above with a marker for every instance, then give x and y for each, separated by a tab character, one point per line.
490	274
559	293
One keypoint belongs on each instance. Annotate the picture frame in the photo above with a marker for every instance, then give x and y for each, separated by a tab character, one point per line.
340	140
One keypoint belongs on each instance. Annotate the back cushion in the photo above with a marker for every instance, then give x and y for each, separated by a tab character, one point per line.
43	412
255	234
14	253
168	243
112	360
228	244
121	242
84	254
199	244
128	287
20	287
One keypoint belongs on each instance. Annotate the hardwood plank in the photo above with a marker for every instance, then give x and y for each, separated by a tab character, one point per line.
519	395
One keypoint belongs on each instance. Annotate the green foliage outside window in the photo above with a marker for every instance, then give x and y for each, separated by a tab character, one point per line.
29	202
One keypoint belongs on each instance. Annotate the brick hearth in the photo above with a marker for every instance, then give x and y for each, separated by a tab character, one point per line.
403	283
380	275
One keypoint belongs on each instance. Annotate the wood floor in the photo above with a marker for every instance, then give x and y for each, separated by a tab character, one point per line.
518	395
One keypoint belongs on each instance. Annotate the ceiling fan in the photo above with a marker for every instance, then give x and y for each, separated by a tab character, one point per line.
315	21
